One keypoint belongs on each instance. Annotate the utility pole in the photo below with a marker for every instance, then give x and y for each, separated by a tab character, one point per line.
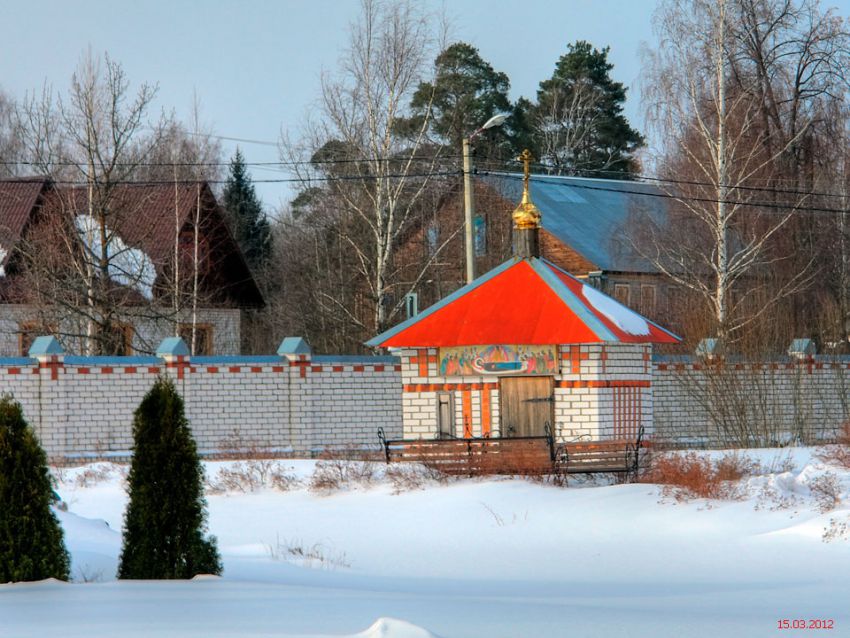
469	196
468	209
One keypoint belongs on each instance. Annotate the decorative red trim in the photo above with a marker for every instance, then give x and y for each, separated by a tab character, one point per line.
83	370
212	369
635	383
336	369
485	412
53	364
359	368
316	368
277	368
379	368
234	369
13	371
447	387
466	401
107	370
422	360
256	369
153	370
130	370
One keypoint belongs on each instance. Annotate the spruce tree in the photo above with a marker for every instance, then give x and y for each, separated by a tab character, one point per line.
245	214
31	540
165	520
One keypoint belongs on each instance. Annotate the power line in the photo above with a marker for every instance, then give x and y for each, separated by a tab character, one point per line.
648	178
233	139
542	179
306	180
365	160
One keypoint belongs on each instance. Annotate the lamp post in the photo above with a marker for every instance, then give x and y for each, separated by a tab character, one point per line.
468	195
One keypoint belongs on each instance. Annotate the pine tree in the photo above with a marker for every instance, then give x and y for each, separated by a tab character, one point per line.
245	213
31	540
165	519
579	124
466	92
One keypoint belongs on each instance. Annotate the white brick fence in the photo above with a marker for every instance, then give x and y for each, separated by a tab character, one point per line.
735	403
299	403
294	402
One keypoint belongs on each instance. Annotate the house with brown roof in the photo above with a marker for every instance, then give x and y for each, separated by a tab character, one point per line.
173	266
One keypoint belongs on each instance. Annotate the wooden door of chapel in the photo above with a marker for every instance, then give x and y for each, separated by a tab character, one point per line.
526	405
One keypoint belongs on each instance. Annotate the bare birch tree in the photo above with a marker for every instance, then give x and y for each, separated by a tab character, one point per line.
9	145
719	239
96	137
377	175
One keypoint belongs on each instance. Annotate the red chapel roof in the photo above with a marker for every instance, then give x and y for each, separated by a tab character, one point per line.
524	301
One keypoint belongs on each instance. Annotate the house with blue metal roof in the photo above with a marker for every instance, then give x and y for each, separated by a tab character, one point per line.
588	228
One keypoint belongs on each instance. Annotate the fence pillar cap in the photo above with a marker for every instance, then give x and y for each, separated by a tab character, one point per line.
172	347
293	346
45	346
802	348
710	347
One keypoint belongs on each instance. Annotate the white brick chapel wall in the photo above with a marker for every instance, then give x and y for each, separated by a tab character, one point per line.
600	392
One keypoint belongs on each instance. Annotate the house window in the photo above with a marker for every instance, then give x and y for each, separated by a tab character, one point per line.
445	415
203	338
479	235
411	304
675	301
117	339
432	237
647	299
622	293
28	331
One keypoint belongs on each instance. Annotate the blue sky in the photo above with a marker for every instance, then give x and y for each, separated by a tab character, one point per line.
255	64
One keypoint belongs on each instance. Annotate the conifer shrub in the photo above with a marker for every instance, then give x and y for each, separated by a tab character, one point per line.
31	540
165	521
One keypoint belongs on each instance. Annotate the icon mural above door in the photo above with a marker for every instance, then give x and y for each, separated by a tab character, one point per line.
499	359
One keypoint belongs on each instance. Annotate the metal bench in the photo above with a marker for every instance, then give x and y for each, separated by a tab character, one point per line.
617	456
534	455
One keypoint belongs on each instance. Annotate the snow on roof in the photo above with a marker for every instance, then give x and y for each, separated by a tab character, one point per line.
624	318
127	266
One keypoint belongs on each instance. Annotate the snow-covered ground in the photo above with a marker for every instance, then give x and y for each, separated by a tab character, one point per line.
496	557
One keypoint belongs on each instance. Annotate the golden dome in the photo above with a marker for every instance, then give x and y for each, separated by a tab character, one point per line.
526	215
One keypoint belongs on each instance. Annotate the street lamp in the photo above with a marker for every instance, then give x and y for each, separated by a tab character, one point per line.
468	196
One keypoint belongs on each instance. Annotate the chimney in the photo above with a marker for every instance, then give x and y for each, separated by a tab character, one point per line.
526	216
